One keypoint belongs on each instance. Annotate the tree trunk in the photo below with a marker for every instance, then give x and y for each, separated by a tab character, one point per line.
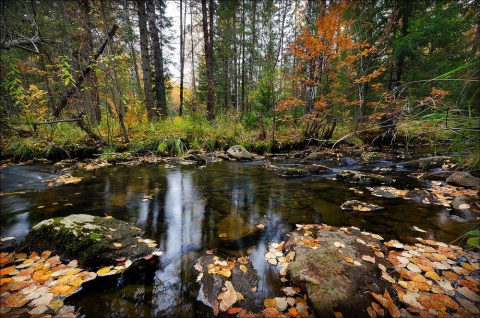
182	55
81	78
146	68
92	82
161	99
208	43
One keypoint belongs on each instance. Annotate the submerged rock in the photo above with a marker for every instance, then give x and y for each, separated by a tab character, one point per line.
239	153
233	227
224	283
355	205
368	179
94	241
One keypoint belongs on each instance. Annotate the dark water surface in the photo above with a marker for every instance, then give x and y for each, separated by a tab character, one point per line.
186	204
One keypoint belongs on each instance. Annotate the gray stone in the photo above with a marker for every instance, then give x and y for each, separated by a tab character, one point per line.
466	207
428	163
239	153
421	197
463	179
347	161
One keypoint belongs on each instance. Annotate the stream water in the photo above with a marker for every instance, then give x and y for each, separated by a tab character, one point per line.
185	205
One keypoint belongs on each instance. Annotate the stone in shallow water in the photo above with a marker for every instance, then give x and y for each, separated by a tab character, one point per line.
94	241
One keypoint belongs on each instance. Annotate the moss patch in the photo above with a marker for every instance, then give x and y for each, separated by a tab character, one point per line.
93	241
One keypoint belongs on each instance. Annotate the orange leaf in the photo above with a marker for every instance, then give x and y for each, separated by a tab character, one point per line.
233	311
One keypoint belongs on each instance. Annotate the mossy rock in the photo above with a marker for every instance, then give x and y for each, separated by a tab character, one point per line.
331	283
94	241
367	179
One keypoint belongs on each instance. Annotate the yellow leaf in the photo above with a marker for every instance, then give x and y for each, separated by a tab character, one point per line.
109	217
222	235
104	270
269	302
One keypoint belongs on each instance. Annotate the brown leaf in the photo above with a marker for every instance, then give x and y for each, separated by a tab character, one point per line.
271	312
380	299
413	276
446	300
234	311
14	301
379	310
392	309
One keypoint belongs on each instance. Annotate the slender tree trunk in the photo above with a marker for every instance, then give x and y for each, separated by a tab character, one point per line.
135	80
182	55
194	86
146	68
92	82
160	94
208	43
117	91
242	93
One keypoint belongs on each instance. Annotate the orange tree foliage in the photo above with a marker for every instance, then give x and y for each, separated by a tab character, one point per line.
328	78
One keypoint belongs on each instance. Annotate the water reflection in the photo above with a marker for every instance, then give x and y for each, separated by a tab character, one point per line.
182	209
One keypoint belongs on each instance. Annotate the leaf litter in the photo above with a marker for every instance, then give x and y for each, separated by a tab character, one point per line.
39	284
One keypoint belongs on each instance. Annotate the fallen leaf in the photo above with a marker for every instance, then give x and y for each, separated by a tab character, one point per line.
228	297
411	299
368	258
269	302
243	268
371	312
468	294
103	271
348	259
117	244
42	300
222	235
233	311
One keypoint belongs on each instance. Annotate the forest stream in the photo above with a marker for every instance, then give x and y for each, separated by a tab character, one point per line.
181	207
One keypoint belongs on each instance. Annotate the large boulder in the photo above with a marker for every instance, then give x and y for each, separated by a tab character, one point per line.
367	179
324	268
94	241
227	283
463	179
239	153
